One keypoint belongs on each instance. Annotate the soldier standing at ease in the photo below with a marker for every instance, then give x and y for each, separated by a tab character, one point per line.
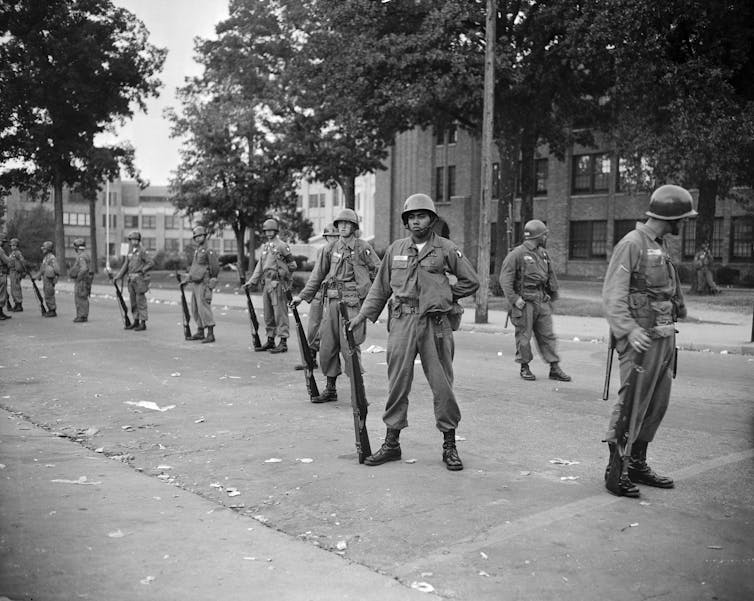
643	298
17	273
202	274
423	312
705	282
529	284
330	234
345	271
4	268
49	273
82	274
136	265
276	266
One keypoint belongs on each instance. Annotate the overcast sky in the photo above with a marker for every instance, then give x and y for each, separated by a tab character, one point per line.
173	24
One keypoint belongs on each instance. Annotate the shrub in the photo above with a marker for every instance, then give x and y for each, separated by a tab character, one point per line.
686	273
301	260
227	259
727	276
174	262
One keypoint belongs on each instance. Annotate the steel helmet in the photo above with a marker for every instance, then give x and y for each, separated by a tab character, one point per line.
14	241
534	229
670	203
199	231
348	215
270	224
418	202
134	236
330	231
47	246
78	242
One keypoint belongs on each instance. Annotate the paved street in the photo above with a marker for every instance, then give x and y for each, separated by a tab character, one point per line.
140	466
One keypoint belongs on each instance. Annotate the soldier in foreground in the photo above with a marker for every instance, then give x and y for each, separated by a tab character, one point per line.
136	265
276	267
423	312
4	268
643	298
17	273
529	284
82	273
345	271
205	267
49	273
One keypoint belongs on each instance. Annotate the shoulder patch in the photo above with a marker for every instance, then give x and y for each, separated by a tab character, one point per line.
367	251
459	254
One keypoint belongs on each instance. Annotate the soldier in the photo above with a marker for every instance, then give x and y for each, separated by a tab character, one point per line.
136	265
82	274
202	274
423	312
330	234
276	266
705	282
529	284
345	271
17	273
643	298
4	268
49	273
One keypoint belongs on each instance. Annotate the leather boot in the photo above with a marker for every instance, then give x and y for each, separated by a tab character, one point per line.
19	307
389	451
526	372
198	335
266	346
558	374
329	394
640	472
132	326
51	313
301	366
141	326
79	319
282	347
616	482
3	316
450	453
210	335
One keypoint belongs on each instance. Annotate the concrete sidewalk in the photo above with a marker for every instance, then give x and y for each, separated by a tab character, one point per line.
707	331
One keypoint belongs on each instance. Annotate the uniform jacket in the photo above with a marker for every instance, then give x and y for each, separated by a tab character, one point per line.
342	262
81	270
205	265
527	267
49	267
4	261
276	262
410	275
17	261
137	262
640	281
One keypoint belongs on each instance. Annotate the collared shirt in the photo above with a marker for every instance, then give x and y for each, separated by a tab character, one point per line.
137	262
343	262
527	266
204	264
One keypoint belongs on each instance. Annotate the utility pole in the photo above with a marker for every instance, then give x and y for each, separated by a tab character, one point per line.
483	255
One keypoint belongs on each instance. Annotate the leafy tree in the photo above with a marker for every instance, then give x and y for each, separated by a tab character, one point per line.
70	70
32	227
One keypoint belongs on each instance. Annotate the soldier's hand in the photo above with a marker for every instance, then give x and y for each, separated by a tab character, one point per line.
639	339
296	301
356	321
212	282
520	303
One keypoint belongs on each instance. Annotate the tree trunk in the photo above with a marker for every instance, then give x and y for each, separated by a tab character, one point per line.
528	181
242	263
705	221
59	230
348	184
251	263
503	228
93	232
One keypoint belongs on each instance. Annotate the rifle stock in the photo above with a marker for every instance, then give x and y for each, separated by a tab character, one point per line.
253	319
122	305
38	294
358	397
184	305
306	352
608	366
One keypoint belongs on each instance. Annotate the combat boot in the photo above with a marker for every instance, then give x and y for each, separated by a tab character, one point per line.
301	366
19	307
198	335
267	345
640	472
79	319
3	316
51	313
330	394
282	347
142	325
132	326
389	451
616	482
450	453
210	335
526	372
558	374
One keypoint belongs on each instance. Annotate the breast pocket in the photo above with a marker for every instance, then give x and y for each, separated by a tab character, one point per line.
657	271
399	270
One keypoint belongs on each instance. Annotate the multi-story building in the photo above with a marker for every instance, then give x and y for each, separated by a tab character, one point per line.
583	199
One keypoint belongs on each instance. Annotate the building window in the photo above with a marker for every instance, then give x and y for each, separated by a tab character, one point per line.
588	240
215	244
688	239
452	133
186	223
113	221
451	181
446	135
313	201
440	184
131	222
230	246
172	244
357	201
742	239
621	227
149	243
336	197
69	241
322	200
149	222
591	173
540	177
299	201
75	218
173	222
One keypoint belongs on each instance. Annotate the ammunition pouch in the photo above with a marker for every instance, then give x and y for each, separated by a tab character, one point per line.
454	316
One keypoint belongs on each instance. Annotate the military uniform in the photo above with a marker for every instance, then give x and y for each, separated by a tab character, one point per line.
345	271
527	273
4	269
275	266
136	266
422	316
705	282
203	273
49	273
82	273
17	272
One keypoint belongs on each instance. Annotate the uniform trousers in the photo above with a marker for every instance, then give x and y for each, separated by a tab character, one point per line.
333	337
651	392
275	309
82	289
535	319
431	337
15	286
201	304
3	290
48	291
314	322
137	294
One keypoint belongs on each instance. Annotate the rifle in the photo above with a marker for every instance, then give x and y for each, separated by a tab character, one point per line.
37	293
619	463
507	319
675	362
122	305
253	318
358	396
306	352
608	366
184	304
